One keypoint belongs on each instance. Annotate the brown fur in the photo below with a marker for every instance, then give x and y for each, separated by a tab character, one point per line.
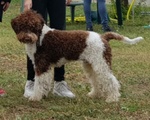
59	44
56	44
106	38
107	53
27	22
71	43
109	36
58	47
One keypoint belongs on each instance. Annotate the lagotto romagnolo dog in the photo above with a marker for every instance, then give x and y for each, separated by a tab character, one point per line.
49	48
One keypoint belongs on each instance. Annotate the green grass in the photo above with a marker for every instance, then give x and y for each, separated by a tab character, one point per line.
130	65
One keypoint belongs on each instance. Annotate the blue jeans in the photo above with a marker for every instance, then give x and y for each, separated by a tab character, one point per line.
101	10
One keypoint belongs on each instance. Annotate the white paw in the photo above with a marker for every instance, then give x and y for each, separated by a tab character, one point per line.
91	94
112	99
35	98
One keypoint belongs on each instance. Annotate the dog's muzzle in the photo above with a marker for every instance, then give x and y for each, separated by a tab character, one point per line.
27	37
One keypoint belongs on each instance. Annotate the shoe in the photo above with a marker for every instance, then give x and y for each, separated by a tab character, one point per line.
28	88
106	28
89	29
62	89
2	92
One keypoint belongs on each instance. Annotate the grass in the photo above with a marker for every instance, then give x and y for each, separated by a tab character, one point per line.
130	65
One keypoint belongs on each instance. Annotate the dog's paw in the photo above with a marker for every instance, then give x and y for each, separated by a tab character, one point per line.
35	98
92	94
111	99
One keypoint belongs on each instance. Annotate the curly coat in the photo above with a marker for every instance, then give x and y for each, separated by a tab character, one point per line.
48	48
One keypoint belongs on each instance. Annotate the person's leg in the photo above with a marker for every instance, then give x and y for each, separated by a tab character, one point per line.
30	79
57	21
102	12
30	69
59	73
103	15
57	13
40	7
56	10
87	12
1	13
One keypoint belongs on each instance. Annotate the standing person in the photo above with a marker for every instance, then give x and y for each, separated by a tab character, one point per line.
4	4
56	11
102	13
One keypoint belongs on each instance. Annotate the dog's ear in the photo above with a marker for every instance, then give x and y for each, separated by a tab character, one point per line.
27	37
14	25
37	20
28	20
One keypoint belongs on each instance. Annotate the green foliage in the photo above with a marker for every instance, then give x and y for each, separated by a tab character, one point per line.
130	65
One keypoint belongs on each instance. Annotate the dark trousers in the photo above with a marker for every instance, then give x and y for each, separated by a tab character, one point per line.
55	10
1	13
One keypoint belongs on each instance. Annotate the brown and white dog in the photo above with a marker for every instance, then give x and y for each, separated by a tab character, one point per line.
49	48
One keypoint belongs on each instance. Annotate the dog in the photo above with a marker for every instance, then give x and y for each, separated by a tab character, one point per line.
48	48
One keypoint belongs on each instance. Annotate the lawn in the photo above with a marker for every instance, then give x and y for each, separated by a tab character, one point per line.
131	66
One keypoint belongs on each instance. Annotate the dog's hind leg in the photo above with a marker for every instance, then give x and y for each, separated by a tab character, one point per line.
90	74
42	85
112	88
106	80
104	83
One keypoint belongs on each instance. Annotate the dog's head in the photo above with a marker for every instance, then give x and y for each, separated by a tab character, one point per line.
28	26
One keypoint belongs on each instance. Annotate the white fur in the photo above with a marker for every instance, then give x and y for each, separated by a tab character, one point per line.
94	56
44	31
31	50
61	62
103	82
132	41
42	86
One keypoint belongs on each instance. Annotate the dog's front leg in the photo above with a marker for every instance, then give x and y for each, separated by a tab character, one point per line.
42	86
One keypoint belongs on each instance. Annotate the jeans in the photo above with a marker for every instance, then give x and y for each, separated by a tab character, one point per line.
101	10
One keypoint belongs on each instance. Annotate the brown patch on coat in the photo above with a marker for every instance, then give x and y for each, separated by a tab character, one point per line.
112	35
59	44
107	53
106	37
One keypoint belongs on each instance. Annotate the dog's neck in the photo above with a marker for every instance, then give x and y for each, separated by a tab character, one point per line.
45	29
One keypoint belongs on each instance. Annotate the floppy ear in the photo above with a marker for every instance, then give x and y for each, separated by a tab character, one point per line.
28	19
14	25
27	37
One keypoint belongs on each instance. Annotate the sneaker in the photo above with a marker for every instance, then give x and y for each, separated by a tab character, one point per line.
28	88
2	92
106	29
62	89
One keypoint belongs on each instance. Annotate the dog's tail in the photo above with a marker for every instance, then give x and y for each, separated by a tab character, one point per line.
112	35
